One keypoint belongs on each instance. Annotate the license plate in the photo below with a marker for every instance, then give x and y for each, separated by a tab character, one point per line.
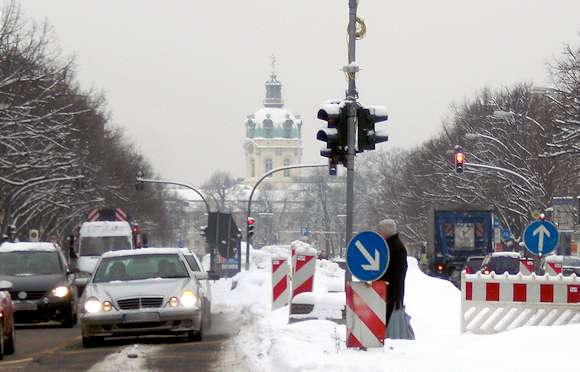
141	317
26	306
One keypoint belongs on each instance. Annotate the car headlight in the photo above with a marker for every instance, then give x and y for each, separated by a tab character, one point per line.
60	291
188	298
92	305
107	305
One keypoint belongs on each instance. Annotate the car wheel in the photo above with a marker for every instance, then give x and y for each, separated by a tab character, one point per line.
92	341
9	345
69	320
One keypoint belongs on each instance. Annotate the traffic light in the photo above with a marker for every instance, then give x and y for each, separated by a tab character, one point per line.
139	184
335	134
250	227
459	160
11	232
367	136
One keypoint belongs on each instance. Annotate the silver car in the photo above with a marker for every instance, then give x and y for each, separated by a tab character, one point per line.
141	292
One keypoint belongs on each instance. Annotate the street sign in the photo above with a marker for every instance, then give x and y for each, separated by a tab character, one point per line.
305	231
505	233
367	256
541	237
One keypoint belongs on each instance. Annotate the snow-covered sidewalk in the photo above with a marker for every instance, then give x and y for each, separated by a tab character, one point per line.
434	305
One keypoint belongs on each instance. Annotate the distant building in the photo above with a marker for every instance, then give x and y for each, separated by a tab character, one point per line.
273	138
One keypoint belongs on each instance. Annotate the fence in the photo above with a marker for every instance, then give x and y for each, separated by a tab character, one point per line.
495	303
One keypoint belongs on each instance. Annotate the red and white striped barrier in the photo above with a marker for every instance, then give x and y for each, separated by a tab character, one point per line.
303	270
553	268
280	282
495	303
526	266
366	313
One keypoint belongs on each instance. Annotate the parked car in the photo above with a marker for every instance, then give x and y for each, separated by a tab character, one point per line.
501	262
42	284
7	335
473	264
142	292
566	265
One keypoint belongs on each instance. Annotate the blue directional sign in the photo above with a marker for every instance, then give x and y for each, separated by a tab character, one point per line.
541	237
505	233
367	256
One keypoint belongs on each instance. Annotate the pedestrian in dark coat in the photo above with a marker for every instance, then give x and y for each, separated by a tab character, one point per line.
395	274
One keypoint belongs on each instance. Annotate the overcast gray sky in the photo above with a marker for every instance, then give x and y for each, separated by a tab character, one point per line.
181	76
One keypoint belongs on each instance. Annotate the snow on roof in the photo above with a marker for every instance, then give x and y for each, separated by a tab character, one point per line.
506	254
143	251
106	228
28	246
278	116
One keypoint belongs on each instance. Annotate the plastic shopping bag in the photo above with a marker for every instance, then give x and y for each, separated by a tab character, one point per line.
400	325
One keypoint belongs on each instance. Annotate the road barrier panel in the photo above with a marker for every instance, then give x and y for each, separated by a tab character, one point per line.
495	303
553	268
366	313
303	270
280	282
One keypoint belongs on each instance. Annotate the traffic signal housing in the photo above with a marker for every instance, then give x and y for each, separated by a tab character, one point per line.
367	135
139	184
334	135
251	223
459	160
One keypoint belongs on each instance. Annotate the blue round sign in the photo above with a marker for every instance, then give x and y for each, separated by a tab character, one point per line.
367	256
541	237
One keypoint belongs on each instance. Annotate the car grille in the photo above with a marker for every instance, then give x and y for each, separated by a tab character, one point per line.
140	303
30	295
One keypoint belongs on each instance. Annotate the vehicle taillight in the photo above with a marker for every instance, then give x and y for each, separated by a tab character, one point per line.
468	270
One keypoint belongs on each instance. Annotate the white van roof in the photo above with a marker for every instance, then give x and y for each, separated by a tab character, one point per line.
106	228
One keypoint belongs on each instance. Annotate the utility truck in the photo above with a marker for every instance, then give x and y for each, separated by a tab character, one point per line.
456	234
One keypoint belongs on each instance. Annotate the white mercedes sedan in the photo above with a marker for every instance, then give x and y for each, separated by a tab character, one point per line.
144	292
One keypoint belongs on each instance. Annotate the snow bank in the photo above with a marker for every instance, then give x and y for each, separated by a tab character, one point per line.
303	248
434	305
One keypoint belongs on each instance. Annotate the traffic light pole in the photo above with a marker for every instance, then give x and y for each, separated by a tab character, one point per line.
266	175
351	97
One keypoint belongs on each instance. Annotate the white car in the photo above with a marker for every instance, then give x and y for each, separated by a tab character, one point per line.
145	291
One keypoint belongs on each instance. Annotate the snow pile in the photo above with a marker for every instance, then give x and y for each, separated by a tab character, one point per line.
434	305
303	248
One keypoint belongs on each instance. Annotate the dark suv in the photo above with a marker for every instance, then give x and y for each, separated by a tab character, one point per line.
42	285
501	262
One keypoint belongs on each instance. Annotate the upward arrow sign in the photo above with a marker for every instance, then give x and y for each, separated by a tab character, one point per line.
374	263
541	231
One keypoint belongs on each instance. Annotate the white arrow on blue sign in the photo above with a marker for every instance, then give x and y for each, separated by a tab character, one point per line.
541	237
367	256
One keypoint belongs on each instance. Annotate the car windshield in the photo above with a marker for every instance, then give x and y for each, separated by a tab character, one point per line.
474	263
97	245
25	263
138	267
502	264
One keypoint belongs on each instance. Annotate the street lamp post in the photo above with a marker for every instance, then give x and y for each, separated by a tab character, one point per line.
267	174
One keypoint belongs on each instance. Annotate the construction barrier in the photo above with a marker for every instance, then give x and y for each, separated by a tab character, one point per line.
495	303
280	282
553	268
526	266
303	270
366	312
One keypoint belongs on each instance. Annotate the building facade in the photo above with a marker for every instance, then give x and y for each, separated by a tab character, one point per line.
273	138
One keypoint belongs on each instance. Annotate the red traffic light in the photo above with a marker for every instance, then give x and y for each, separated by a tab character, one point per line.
251	221
459	157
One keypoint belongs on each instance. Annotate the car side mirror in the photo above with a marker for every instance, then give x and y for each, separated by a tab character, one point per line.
5	285
212	275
